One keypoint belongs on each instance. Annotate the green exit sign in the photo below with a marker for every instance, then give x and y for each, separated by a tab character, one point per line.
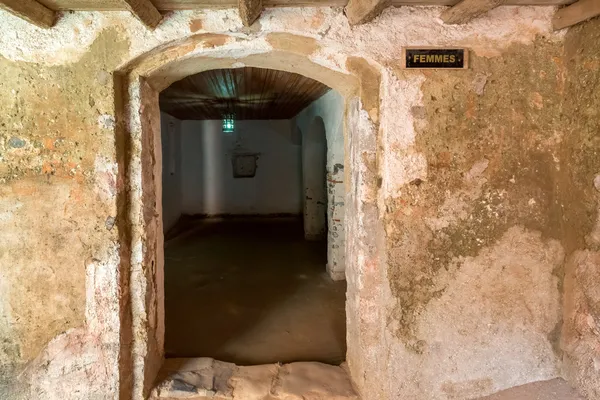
443	58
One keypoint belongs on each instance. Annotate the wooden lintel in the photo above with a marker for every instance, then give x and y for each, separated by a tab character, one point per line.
362	11
576	13
31	11
145	11
249	10
467	10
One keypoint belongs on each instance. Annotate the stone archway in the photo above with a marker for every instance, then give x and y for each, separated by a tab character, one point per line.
140	209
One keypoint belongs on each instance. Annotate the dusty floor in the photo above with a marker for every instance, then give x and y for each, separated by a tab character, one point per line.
251	291
555	389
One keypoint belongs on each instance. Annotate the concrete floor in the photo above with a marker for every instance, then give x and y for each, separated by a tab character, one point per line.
555	389
251	291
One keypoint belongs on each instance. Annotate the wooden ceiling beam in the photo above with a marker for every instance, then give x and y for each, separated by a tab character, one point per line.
170	5
249	10
31	11
576	13
467	10
145	11
362	11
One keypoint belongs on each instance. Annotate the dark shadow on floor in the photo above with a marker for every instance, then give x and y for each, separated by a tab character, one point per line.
251	291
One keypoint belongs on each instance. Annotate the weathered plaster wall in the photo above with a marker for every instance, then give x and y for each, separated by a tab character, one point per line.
172	174
330	109
474	252
580	189
57	194
454	203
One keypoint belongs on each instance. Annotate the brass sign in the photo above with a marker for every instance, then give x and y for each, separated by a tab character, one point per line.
447	58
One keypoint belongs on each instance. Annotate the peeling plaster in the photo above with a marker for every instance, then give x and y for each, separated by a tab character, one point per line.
459	204
105	172
401	164
65	43
505	278
383	39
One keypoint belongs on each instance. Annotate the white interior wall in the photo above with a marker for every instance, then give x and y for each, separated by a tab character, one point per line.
170	128
314	182
209	187
329	108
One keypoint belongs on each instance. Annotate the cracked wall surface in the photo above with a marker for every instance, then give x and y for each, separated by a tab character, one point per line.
466	191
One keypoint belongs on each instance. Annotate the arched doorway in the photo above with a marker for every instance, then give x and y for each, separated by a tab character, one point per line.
138	148
245	234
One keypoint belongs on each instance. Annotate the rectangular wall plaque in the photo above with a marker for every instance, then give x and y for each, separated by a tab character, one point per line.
454	58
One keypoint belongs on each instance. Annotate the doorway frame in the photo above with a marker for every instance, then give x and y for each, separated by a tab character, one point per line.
138	148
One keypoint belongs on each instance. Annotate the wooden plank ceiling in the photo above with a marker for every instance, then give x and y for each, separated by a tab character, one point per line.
248	93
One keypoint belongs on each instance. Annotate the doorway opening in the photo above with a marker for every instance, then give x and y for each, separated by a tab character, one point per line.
253	208
354	246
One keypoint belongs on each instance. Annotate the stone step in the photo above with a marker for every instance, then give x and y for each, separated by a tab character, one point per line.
206	378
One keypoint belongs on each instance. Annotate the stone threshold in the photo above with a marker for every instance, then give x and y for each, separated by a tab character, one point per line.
206	378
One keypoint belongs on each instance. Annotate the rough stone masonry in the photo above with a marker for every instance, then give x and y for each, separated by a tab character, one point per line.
472	196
